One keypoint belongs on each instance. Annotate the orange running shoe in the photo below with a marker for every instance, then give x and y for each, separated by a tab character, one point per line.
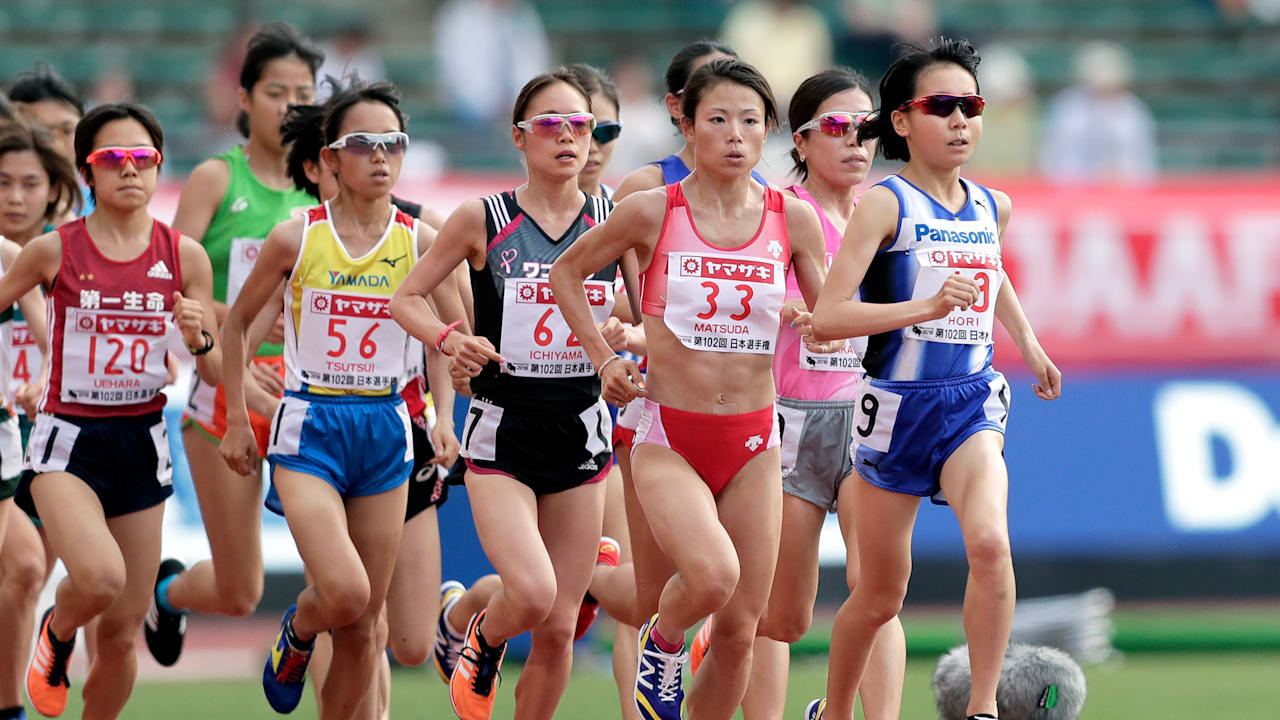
472	685
47	683
701	644
608	554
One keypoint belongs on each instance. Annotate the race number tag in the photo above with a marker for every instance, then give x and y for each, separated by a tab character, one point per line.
536	340
349	341
24	357
973	325
846	359
244	253
113	358
724	303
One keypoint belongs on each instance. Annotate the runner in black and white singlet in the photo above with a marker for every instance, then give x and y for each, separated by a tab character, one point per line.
536	440
920	274
98	461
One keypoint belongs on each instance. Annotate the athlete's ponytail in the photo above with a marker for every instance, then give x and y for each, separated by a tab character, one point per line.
899	85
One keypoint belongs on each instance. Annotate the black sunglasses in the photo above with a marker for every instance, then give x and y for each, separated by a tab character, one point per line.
606	132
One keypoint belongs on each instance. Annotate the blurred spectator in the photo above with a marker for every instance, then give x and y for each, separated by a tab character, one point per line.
873	27
1097	129
485	52
47	101
221	83
349	53
1268	11
113	84
786	40
649	133
1011	116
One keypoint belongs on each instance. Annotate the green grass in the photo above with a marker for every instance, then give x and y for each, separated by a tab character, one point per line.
1150	686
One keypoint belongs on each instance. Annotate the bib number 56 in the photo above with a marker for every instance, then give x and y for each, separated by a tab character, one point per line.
368	348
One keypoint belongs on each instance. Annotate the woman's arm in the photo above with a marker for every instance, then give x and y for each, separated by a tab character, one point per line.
193	310
840	315
201	197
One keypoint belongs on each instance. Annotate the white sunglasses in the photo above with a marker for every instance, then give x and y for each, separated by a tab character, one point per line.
367	143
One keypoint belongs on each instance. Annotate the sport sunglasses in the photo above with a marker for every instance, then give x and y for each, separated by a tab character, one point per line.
607	132
944	105
552	124
367	143
114	158
837	123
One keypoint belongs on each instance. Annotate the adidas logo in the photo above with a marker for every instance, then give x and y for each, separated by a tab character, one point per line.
240	205
160	270
589	465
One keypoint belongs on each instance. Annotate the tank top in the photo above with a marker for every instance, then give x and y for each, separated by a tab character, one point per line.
800	374
109	323
545	368
930	243
235	235
674	170
339	335
714	298
24	356
6	337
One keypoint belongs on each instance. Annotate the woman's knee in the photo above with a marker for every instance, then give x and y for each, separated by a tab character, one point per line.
713	583
100	585
733	635
988	551
786	624
345	601
23	578
240	594
555	634
116	637
531	598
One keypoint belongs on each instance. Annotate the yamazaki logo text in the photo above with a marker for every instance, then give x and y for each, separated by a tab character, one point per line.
963	259
715	268
535	292
350	305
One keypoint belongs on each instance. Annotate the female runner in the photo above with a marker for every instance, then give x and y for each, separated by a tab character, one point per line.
99	467
537	434
716	247
924	246
37	185
230	203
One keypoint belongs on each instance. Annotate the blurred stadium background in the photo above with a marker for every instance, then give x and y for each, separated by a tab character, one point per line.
1151	272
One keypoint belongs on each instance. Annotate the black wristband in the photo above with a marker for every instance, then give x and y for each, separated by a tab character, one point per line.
208	344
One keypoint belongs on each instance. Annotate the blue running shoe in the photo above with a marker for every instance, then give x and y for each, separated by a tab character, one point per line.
659	695
448	644
286	670
813	711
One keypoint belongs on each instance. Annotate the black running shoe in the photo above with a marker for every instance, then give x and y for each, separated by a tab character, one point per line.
165	630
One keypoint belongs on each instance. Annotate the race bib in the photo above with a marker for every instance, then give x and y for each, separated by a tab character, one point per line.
536	340
724	303
113	358
973	325
348	341
24	357
846	359
244	253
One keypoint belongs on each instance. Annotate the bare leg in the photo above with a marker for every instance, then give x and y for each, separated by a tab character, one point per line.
413	602
977	487
570	524
231	508
651	567
22	575
625	636
475	599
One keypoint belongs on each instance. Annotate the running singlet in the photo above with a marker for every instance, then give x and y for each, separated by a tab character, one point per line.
545	368
235	235
339	335
719	299
931	243
803	375
7	336
108	326
21	354
674	170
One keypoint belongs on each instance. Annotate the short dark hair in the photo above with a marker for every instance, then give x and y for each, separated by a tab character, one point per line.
18	137
536	85
728	70
302	132
7	112
44	83
274	40
811	94
595	81
899	85
89	125
680	68
352	94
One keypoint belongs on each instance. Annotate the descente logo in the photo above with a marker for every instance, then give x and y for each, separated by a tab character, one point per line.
938	235
338	279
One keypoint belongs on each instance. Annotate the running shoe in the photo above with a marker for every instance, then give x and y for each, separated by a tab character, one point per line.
47	682
659	695
286	671
701	644
448	644
165	630
813	711
608	554
472	687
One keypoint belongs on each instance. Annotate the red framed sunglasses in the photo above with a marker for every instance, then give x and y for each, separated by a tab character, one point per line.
114	158
944	105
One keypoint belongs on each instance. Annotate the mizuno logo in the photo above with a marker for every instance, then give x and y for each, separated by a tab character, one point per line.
392	261
160	270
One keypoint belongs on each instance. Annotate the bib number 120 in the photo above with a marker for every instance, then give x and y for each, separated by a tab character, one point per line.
137	356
